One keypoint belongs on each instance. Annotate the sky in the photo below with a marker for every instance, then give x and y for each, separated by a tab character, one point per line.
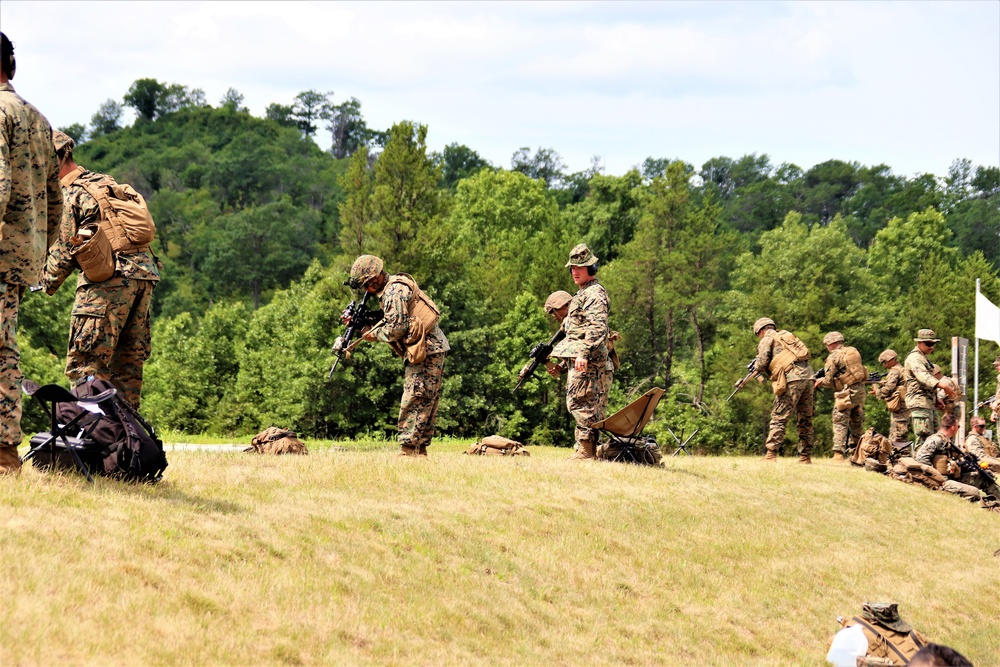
914	85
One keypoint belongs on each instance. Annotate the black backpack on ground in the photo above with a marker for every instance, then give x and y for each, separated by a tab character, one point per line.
129	447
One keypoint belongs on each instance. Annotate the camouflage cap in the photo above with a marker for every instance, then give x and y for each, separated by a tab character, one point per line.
927	336
761	323
887	356
61	140
833	337
365	268
556	301
581	256
885	613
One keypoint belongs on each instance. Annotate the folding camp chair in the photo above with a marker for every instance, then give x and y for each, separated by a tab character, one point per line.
49	448
624	428
682	444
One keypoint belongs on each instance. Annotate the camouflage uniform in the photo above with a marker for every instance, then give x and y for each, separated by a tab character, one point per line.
799	397
31	206
109	335
848	425
984	449
586	327
422	382
920	385
899	426
938	444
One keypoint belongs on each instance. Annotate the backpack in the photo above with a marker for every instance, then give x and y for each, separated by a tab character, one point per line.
130	448
495	445
125	218
890	638
873	445
274	440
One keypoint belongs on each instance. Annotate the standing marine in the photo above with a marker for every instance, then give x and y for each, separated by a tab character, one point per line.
892	390
844	372
109	335
409	326
786	359
31	206
584	351
918	374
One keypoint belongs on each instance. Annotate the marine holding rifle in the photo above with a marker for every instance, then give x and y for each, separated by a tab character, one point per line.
892	390
409	325
786	359
844	372
918	373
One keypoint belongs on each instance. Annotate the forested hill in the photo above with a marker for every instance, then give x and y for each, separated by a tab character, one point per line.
257	226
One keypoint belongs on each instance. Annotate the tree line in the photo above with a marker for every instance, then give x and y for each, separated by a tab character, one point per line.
257	226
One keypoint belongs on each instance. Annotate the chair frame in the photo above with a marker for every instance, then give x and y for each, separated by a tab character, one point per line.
626	439
59	437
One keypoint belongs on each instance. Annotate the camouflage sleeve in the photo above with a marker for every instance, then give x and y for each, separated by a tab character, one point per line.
928	450
830	370
6	177
595	311
921	374
886	387
764	352
395	314
79	208
56	202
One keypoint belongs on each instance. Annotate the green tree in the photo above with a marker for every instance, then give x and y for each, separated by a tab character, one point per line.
106	119
311	107
456	162
545	164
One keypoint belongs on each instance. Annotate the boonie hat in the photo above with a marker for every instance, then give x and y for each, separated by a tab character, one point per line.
927	336
556	301
885	613
581	256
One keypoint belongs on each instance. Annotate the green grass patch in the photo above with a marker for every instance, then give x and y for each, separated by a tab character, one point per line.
357	556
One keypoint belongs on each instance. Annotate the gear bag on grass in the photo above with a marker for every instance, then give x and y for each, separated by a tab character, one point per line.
495	445
132	451
275	440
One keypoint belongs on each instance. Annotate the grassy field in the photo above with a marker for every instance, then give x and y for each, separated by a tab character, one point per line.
353	556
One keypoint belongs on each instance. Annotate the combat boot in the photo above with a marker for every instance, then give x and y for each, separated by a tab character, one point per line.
10	462
838	457
771	455
585	451
803	458
410	452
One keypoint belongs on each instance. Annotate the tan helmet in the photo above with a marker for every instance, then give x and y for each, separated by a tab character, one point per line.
63	142
581	256
365	269
761	323
927	336
887	356
833	337
556	301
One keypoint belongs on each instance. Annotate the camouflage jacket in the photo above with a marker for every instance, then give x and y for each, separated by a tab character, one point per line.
950	404
768	348
586	325
933	445
890	383
80	209
836	367
31	201
395	300
996	397
981	446
920	381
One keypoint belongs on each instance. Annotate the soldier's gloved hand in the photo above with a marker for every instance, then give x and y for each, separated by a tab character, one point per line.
580	365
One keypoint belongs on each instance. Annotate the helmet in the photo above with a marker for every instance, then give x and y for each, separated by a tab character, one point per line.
761	323
365	269
927	336
581	256
833	337
556	301
887	356
62	141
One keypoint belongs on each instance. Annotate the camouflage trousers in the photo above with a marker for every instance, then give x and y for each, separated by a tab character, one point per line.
422	384
799	399
925	423
10	367
849	425
899	426
587	397
109	334
979	481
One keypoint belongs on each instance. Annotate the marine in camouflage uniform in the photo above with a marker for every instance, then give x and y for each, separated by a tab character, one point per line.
995	408
31	206
423	380
918	374
798	397
843	374
109	336
939	444
899	420
584	351
978	444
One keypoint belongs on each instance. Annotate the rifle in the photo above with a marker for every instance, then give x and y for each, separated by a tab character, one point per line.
751	371
539	354
873	377
970	463
359	318
988	403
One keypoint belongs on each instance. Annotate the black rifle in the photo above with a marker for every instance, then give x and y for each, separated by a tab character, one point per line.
970	463
539	354
359	318
873	377
751	371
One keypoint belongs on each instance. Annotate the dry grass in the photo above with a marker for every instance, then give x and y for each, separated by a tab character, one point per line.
357	557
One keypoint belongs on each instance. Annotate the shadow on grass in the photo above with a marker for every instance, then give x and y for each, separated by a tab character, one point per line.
164	490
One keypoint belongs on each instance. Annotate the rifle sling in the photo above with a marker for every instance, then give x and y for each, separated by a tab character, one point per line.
888	643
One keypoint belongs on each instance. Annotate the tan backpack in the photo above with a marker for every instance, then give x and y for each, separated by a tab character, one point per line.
495	445
125	218
855	371
890	638
424	315
92	251
275	440
793	351
872	446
